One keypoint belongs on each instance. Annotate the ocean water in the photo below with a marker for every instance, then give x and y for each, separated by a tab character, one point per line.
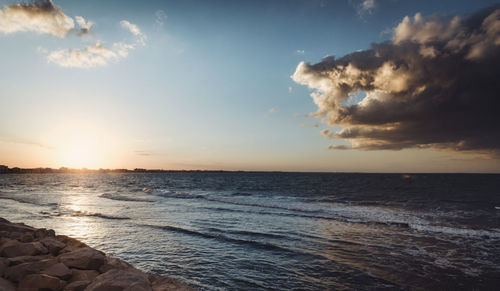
287	231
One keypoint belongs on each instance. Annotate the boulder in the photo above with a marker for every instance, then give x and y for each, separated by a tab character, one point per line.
27	259
16	227
83	275
22	237
43	233
114	263
53	245
77	286
15	249
4	263
118	280
84	258
164	283
6	285
40	282
18	272
58	270
71	243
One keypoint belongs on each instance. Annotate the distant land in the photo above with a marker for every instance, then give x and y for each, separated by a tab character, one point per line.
6	170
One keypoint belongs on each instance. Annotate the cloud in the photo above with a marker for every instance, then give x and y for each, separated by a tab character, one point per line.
134	29
85	26
143	153
433	85
364	7
131	27
40	16
160	17
305	125
91	56
97	55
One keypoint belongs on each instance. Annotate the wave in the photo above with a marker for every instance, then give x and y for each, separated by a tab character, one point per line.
368	215
171	194
221	237
124	198
456	231
27	201
79	213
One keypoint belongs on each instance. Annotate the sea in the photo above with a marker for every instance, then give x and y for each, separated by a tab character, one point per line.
278	231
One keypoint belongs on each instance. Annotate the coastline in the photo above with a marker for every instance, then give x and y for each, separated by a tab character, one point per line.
35	259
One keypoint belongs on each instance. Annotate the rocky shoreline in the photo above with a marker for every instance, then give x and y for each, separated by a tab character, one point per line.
38	259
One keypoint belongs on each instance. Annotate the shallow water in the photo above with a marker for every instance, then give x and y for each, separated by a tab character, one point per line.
307	231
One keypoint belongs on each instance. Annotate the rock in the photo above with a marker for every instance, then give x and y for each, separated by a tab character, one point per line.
164	283
22	237
6	285
16	273
43	233
58	270
40	282
118	280
27	259
4	263
71	244
84	258
16	227
77	286
83	275
15	249
53	245
114	263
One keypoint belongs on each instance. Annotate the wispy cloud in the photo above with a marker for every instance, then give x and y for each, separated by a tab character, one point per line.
305	125
40	16
363	7
91	56
160	17
97	55
84	25
24	141
433	86
143	153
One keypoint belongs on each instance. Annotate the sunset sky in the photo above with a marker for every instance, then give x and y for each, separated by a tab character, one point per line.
227	85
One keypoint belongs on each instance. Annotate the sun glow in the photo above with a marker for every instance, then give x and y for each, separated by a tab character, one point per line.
83	146
79	151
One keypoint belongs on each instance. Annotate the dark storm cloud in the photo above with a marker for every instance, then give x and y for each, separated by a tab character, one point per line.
434	85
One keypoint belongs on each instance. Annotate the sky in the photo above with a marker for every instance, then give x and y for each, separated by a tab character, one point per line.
347	86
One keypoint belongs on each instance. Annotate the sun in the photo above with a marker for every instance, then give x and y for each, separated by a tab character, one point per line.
83	146
79	152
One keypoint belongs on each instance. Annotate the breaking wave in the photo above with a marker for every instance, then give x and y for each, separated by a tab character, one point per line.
124	198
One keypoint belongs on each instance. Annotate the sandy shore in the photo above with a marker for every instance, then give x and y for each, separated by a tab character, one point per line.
38	259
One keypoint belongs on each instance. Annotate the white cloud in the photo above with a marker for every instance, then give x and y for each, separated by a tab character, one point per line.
131	27
97	55
91	56
40	16
85	26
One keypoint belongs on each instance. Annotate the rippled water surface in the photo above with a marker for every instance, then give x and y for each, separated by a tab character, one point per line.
304	231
